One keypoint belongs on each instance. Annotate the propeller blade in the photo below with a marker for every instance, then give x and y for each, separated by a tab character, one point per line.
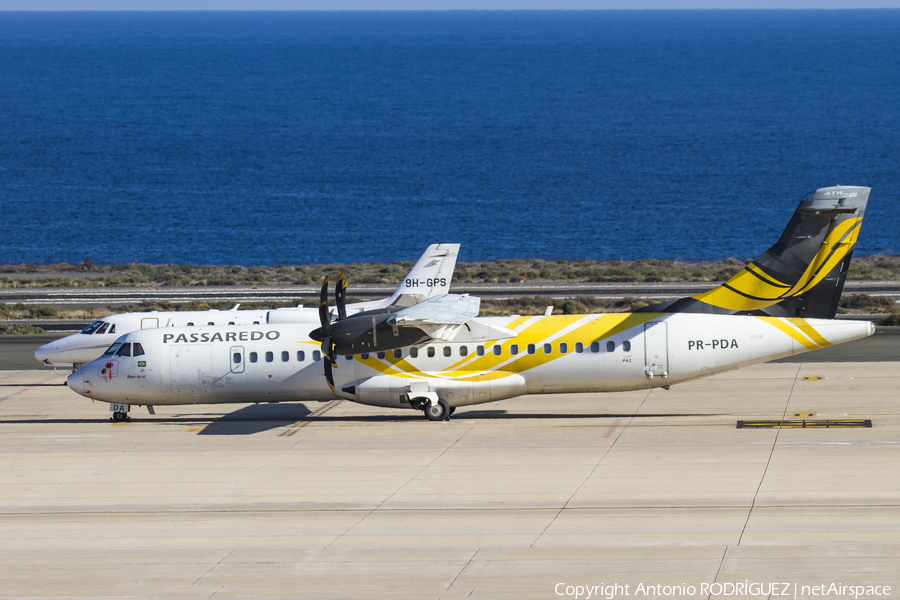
328	351
324	319
329	376
340	297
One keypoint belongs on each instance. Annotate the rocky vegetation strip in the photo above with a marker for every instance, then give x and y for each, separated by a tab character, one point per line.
87	274
521	305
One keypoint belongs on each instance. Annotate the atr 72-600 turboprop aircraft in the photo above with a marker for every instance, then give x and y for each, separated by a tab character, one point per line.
429	278
436	356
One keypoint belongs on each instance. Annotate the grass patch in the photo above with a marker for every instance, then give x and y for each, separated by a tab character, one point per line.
892	320
19	329
866	304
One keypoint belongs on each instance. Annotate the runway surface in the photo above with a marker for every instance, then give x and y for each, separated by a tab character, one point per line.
17	351
507	500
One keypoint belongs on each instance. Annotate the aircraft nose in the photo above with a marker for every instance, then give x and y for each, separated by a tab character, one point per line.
76	382
46	351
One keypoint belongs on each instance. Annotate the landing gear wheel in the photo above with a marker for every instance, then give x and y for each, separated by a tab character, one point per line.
119	417
438	412
452	409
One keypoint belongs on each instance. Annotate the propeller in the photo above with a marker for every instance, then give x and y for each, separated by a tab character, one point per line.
325	332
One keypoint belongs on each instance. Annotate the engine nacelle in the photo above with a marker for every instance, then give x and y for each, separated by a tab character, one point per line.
396	392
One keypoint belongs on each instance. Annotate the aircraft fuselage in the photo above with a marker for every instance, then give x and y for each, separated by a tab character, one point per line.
549	354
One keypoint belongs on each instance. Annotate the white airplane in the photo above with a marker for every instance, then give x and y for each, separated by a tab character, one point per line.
429	278
435	356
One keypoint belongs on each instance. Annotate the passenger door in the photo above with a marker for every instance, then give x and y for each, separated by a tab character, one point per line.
191	368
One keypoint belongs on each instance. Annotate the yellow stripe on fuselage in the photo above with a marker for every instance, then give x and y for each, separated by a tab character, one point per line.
793	330
567	329
809	330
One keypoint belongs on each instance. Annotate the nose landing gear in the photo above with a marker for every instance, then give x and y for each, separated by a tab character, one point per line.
119	412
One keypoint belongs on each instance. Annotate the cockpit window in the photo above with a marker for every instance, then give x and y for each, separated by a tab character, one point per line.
92	327
102	328
125	350
112	329
138	350
112	349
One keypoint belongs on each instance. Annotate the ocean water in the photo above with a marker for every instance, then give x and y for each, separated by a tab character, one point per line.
265	138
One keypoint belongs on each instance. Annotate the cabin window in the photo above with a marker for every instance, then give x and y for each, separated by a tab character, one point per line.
138	350
610	346
211	323
253	357
497	350
92	327
236	358
317	356
595	346
348	357
514	349
430	351
448	351
398	353
254	322
190	324
269	357
413	352
125	350
579	347
530	348
381	354
231	322
626	346
463	351
112	329
285	356
548	348
301	355
479	350
563	347
102	329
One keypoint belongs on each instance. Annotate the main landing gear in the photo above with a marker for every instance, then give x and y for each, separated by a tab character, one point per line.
434	411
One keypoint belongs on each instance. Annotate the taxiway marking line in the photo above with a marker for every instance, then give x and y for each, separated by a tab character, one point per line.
301	424
613	428
31	387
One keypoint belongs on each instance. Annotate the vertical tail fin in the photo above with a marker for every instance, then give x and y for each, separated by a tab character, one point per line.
429	277
803	274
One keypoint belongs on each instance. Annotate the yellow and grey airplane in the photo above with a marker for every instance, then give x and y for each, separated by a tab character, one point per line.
438	355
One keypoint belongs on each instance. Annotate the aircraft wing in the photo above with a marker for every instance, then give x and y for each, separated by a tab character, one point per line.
445	310
451	317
